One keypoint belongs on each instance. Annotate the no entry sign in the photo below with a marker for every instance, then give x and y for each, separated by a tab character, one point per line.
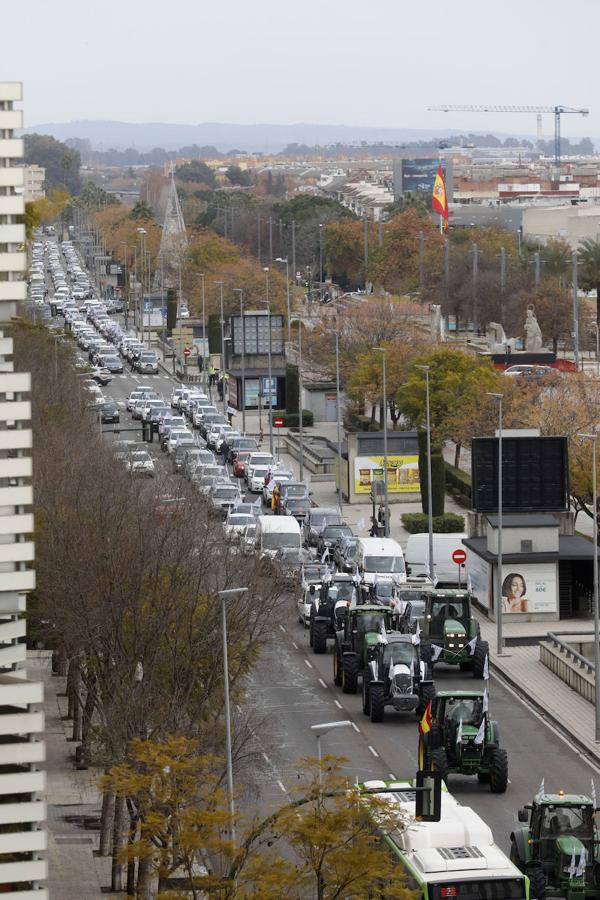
459	557
186	352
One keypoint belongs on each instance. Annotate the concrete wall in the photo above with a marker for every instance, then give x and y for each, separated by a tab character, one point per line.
544	540
571	223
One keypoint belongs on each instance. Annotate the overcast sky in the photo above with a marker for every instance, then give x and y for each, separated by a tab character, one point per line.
325	61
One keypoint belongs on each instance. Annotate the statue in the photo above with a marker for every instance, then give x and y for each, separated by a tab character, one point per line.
533	334
497	340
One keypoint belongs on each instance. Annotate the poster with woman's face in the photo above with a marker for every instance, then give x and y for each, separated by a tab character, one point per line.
529	589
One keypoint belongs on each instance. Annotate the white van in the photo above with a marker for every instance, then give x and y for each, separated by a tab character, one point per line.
276	532
377	557
446	571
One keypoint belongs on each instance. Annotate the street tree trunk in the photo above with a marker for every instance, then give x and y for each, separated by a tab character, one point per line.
106	821
118	832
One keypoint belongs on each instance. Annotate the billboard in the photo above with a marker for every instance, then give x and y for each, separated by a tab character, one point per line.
535	475
419	175
403	473
255	330
529	588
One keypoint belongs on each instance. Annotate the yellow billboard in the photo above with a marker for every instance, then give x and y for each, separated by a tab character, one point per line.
403	473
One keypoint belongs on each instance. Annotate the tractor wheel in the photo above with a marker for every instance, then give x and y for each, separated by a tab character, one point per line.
537	882
427	693
377	697
319	637
465	666
310	631
366	697
337	666
439	762
479	657
483	777
499	771
349	673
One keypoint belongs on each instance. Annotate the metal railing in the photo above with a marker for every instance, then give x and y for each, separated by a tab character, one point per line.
568	650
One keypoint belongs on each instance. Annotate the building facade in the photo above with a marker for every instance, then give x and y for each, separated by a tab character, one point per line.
33	183
23	867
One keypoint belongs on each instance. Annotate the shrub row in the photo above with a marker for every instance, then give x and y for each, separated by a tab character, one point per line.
449	523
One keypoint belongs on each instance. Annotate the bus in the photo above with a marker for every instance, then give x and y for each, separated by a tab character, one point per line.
454	858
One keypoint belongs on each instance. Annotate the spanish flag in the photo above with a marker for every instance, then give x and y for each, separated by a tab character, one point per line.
425	723
439	201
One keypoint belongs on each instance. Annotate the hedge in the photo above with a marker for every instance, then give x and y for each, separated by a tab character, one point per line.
355	422
459	483
417	523
292	420
438	476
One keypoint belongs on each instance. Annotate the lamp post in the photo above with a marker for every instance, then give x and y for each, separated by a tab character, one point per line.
386	518
429	485
320	262
220	283
597	331
231	592
142	233
127	279
338	417
204	338
320	730
499	611
300	423
243	324
282	259
594	438
270	359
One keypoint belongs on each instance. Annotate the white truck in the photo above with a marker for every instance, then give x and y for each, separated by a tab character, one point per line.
380	557
446	571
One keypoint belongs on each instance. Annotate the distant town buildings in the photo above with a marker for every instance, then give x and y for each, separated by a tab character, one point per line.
33	183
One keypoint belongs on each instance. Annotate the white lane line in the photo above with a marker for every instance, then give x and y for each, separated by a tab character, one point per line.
282	627
322	683
356	728
392	776
266	758
338	704
282	786
308	663
373	751
294	645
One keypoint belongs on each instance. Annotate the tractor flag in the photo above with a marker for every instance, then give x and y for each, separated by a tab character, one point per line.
325	557
485	705
459	733
573	866
426	723
541	791
471	645
581	865
439	201
486	668
593	793
360	524
436	652
416	638
480	736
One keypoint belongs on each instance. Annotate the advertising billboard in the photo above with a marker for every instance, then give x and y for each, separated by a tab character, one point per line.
403	473
529	588
419	174
479	574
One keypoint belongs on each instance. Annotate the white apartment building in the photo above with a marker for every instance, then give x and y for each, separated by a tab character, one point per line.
23	867
33	183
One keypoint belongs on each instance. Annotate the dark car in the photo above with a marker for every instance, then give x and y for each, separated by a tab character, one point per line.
113	364
318	518
108	413
331	536
345	555
297	490
234	445
297	507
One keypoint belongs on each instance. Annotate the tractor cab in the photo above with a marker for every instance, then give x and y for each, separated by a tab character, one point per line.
396	677
459	716
450	633
448	613
330	609
355	644
558	848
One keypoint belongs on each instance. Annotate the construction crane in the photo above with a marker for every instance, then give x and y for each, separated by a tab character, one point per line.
557	112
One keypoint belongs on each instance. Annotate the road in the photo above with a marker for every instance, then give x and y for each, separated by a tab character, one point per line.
291	689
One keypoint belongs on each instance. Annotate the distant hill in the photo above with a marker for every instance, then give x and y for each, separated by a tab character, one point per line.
105	134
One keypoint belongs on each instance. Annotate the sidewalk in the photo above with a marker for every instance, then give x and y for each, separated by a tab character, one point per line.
73	800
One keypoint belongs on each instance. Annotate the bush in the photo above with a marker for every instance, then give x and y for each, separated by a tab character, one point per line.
353	421
449	523
459	483
292	420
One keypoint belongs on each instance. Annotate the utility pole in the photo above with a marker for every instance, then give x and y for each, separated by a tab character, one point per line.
421	260
475	286
502	270
536	259
447	270
270	240
258	220
379	234
366	246
575	312
294	250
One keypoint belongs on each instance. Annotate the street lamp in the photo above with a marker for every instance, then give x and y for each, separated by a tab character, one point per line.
320	730
499	611
282	259
386	517
142	233
243	324
204	339
270	355
220	283
429	485
320	261
597	330
231	592
300	409
594	438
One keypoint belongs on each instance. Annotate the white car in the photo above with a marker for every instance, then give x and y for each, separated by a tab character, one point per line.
140	463
256	481
236	522
176	435
258	459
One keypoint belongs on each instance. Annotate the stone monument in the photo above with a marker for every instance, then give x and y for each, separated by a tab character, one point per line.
533	333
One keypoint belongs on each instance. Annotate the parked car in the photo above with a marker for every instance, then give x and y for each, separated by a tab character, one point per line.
330	536
318	518
108	412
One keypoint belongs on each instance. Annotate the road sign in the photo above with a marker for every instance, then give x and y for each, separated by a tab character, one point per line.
186	352
459	557
278	422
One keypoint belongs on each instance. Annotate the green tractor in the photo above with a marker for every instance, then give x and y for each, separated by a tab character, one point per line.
396	676
329	608
450	633
356	643
462	739
559	848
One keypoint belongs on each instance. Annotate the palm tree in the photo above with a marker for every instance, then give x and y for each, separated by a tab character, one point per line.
589	262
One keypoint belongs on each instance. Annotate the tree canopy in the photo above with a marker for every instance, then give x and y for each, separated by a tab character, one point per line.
61	163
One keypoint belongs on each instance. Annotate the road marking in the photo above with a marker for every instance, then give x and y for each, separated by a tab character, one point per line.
373	751
122	376
321	682
338	704
282	786
356	728
282	627
392	776
294	645
266	758
308	663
